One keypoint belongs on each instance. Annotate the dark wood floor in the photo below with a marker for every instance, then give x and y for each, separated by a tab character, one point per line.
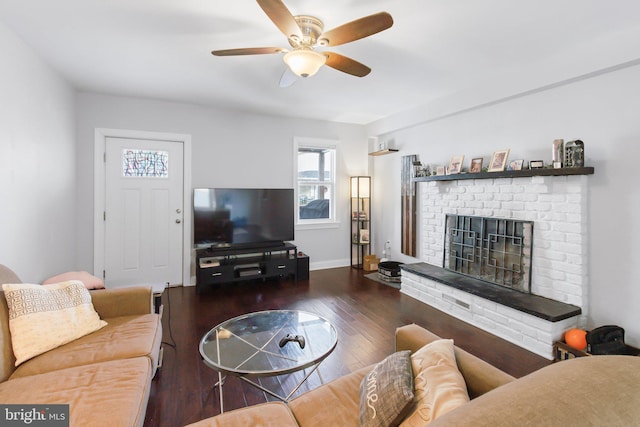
364	312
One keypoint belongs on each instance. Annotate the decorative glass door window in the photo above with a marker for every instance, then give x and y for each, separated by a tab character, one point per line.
145	163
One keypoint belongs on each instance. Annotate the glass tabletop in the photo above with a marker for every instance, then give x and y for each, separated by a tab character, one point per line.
250	344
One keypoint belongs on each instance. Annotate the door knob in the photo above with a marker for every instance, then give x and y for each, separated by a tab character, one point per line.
178	221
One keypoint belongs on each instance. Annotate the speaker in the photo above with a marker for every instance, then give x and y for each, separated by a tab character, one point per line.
303	267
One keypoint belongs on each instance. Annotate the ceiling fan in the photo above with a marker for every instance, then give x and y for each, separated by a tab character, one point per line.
306	33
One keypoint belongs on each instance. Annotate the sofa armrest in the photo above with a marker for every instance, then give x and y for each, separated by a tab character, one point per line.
123	301
479	375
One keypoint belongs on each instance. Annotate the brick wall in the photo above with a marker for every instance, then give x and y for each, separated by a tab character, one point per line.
558	207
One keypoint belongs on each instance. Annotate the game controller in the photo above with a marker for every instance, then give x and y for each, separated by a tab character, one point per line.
289	338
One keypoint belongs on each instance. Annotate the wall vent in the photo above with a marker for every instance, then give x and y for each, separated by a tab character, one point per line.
456	301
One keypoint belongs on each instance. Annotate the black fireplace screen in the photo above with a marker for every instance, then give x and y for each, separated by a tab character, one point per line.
491	249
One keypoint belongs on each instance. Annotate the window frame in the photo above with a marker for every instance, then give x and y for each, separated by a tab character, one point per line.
325	144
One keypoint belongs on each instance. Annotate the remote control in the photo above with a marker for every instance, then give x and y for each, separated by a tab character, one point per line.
289	338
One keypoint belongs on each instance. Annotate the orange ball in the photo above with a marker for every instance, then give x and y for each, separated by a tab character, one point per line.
576	338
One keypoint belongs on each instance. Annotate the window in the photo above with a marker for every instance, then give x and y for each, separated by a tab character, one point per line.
315	179
145	163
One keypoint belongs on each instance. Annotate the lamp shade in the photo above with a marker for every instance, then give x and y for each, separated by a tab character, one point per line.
304	62
360	186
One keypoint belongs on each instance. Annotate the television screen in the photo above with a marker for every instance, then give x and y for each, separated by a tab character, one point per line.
242	216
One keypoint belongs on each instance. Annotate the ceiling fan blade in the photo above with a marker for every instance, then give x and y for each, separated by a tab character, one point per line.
358	29
247	51
346	65
288	78
280	15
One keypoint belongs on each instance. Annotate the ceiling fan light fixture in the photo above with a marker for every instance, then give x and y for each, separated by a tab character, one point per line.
304	62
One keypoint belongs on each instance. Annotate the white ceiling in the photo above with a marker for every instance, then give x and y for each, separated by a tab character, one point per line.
436	49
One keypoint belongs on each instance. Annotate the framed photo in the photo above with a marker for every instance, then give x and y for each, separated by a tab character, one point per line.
364	236
536	164
455	165
440	170
516	165
476	165
498	160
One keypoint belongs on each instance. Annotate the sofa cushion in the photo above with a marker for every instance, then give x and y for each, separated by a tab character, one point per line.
342	395
387	391
123	337
7	275
7	359
479	375
265	414
439	386
103	394
90	281
44	317
593	391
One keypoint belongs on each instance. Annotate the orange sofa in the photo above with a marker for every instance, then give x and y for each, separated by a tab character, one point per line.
593	391
105	376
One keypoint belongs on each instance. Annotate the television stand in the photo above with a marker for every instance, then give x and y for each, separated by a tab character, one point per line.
220	265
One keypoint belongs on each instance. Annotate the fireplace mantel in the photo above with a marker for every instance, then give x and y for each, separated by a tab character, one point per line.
508	174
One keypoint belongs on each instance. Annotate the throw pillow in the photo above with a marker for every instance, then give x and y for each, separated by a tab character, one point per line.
387	391
43	317
439	385
89	280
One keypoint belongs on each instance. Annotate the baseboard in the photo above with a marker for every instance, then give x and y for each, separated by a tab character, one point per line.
323	265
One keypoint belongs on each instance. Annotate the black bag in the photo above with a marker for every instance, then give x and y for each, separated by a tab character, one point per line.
607	339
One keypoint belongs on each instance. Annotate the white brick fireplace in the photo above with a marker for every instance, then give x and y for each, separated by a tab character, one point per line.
557	205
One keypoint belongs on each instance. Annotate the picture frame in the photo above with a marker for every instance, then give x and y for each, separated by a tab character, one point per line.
440	170
455	165
536	164
364	236
498	160
516	165
476	165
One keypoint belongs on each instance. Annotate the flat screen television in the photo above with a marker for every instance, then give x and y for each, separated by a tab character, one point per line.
242	217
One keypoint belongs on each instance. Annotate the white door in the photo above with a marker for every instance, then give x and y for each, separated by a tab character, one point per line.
143	215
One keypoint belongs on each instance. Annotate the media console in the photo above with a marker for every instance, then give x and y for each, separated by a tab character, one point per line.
228	265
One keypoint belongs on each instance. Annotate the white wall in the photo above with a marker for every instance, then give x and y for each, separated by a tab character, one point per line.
603	112
229	149
37	164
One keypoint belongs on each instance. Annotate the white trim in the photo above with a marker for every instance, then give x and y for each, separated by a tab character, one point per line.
319	143
323	265
100	136
318	225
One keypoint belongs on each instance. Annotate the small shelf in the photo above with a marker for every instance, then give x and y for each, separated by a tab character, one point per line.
383	152
563	351
360	219
508	174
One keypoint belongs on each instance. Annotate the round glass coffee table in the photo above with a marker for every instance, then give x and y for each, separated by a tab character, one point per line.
268	343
